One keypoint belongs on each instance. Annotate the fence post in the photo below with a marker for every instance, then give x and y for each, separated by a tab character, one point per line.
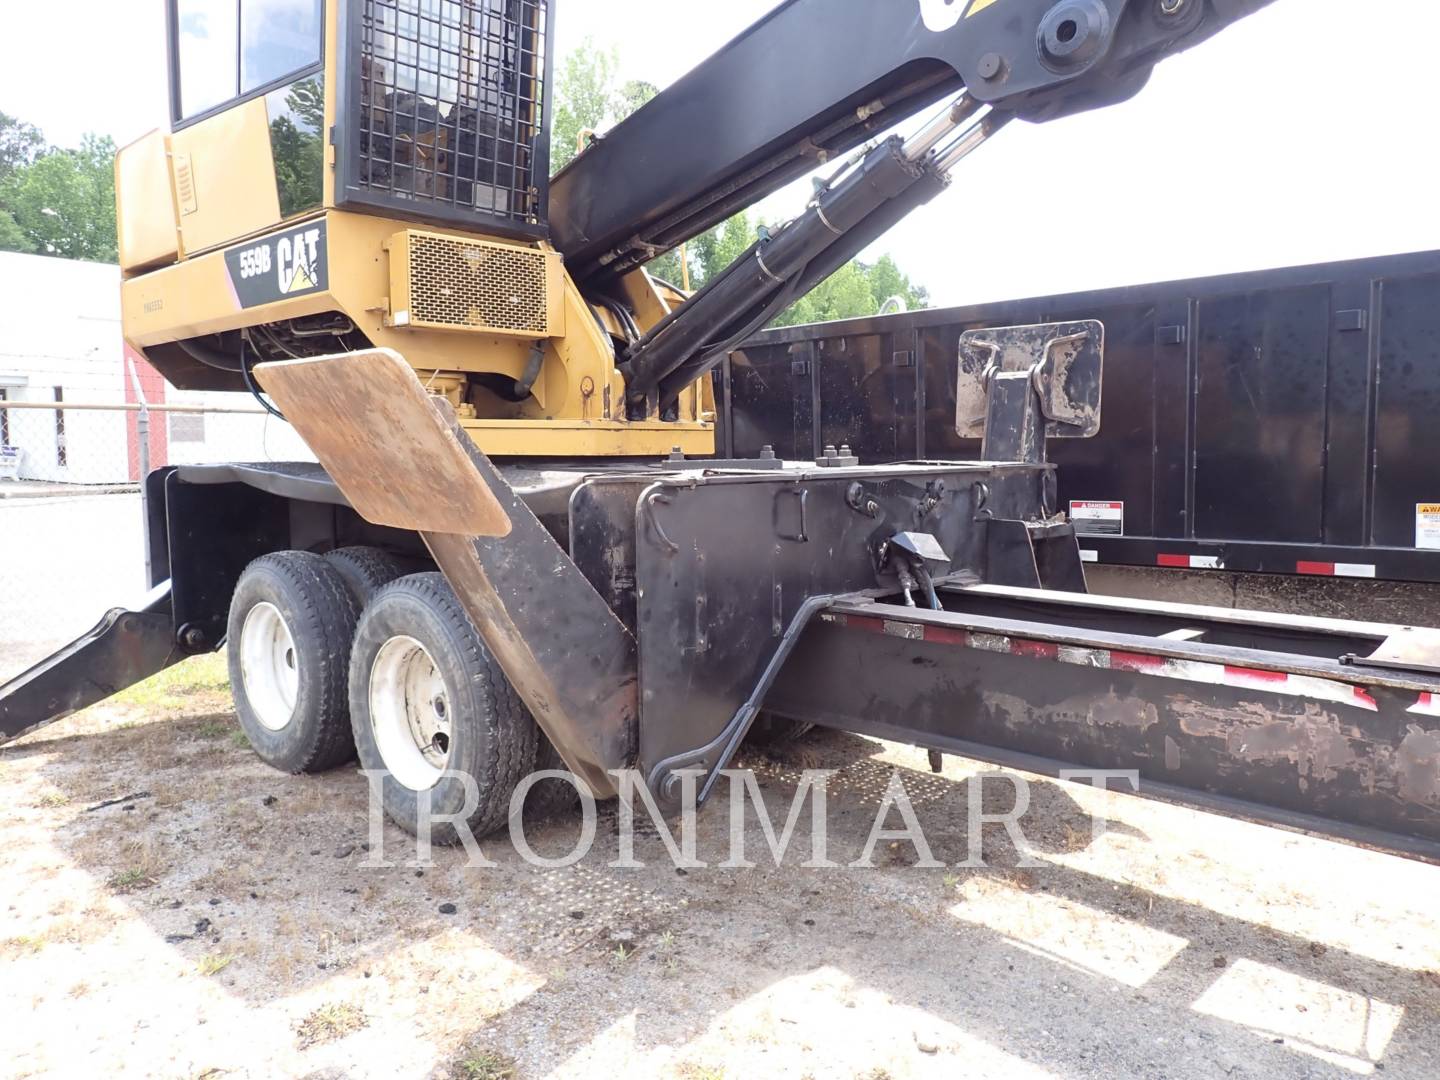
142	436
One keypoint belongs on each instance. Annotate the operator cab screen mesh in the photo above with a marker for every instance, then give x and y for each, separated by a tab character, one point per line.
452	99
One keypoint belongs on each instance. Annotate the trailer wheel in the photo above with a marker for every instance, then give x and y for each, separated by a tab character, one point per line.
366	570
291	622
774	731
430	705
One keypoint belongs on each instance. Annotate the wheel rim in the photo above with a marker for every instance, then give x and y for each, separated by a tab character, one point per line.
269	667
410	713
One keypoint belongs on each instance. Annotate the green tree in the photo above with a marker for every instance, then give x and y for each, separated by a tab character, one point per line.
299	149
20	144
64	201
587	97
887	282
12	237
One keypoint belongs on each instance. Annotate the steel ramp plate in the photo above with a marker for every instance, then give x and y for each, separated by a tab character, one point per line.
372	424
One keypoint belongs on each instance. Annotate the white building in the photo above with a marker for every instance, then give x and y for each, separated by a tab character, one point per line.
60	343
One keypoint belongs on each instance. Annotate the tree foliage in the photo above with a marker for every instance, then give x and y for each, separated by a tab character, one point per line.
20	144
53	201
299	149
589	98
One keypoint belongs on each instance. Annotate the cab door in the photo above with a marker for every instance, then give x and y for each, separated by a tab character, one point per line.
248	104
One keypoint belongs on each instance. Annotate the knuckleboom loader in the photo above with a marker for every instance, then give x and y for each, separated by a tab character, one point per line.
518	547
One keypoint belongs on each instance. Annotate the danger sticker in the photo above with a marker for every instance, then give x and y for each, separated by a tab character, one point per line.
1427	526
1100	518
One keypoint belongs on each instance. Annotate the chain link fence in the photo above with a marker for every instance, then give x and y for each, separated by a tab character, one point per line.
71	523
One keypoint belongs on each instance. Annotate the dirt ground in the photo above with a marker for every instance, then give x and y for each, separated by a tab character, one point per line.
222	924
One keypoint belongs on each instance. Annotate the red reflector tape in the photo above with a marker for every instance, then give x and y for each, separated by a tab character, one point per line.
1040	650
944	635
1200	672
1190	562
1336	569
1426	706
1254	675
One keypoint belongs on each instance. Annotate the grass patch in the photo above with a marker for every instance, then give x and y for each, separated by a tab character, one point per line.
330	1022
31	943
129	879
51	799
483	1065
213	964
239	740
214	729
171	687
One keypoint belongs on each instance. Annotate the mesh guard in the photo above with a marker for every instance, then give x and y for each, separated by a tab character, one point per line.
443	282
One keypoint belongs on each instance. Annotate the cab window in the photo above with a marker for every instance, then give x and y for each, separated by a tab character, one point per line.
278	37
228	49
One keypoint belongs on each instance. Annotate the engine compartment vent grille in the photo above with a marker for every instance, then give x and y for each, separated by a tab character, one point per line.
444	282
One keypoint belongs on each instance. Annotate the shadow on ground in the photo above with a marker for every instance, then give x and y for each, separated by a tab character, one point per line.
274	868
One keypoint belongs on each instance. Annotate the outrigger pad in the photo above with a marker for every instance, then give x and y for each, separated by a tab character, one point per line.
376	430
1066	362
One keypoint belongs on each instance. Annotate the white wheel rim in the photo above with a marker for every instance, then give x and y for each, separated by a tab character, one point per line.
269	667
410	713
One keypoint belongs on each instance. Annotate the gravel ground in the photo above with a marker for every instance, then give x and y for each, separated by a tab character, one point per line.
223	923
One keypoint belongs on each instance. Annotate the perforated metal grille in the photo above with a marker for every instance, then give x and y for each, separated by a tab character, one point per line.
477	286
452	99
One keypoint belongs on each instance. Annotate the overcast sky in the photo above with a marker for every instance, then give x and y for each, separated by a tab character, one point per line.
1306	133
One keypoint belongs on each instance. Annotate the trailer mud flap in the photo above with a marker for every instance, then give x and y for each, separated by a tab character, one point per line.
401	459
122	649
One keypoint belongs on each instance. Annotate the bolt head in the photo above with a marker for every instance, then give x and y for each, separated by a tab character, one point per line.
991	67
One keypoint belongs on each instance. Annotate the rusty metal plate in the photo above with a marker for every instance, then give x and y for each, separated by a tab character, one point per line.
1067	362
371	423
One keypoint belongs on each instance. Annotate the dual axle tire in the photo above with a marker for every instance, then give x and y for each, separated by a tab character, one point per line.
292	618
366	570
429	705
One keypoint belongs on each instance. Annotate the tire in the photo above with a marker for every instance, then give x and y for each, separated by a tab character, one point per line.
291	623
415	647
550	798
366	570
770	730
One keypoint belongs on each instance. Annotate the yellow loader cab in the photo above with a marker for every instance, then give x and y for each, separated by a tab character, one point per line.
347	174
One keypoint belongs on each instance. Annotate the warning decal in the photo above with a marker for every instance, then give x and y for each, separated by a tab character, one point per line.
1427	526
1098	518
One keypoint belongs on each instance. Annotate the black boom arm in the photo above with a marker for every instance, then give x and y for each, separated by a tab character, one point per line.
810	81
815	78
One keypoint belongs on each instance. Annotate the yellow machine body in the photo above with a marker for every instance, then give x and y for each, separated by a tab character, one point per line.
216	238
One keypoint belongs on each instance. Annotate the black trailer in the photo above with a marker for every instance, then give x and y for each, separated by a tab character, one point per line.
1276	422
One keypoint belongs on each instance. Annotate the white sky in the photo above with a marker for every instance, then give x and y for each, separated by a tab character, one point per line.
1306	133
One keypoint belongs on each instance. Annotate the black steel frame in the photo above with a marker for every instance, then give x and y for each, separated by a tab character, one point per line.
354	187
